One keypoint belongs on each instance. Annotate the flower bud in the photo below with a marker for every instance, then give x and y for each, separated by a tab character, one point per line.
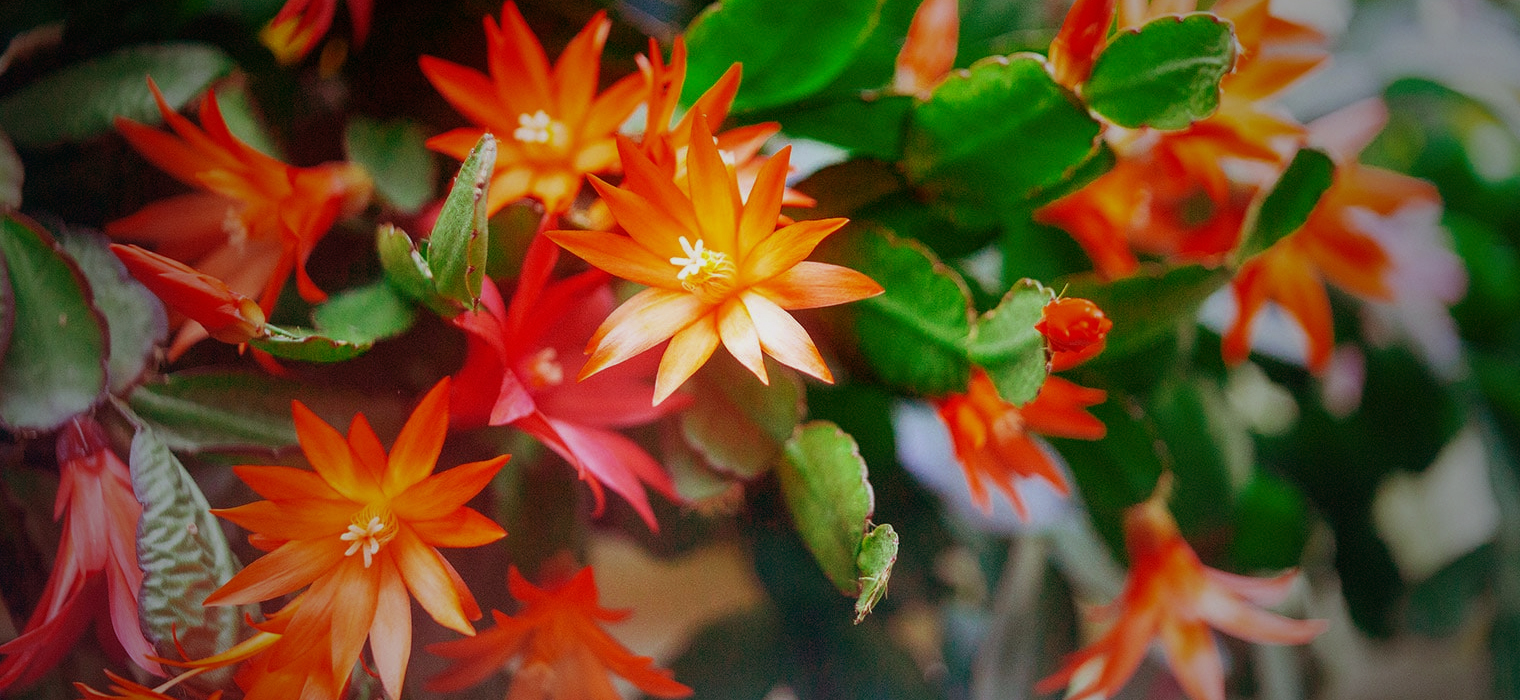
227	315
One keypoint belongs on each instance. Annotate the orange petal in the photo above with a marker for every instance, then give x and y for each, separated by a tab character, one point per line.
575	73
715	101
763	206
415	454
613	106
292	519
783	338
469	91
423	569
1194	658
1244	621
447	491
738	333
390	634
1080	39
367	450
688	350
785	248
291	566
286	483
480	657
811	285
928	52
518	63
619	255
464	527
655	227
642	322
331	456
714	193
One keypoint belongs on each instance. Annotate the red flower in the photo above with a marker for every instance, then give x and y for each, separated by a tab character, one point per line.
300	24
226	315
1075	330
1172	597
95	574
562	651
520	367
993	438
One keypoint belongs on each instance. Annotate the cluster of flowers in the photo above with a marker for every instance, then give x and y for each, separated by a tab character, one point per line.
696	218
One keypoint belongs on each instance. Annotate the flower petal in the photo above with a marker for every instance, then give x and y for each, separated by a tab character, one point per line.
1194	658
291	566
423	570
293	519
784	338
447	491
390	633
575	73
642	322
656	228
463	527
763	206
738	333
415	454
811	285
329	454
286	483
687	351
467	90
619	255
714	193
782	250
1242	620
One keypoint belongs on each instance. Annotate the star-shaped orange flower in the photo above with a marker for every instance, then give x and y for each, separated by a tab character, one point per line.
551	126
361	530
717	268
564	653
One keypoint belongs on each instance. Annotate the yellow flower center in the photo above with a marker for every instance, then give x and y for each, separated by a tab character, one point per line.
544	369
709	274
539	127
369	530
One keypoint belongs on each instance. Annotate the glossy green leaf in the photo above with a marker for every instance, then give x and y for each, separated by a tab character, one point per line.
457	248
55	366
82	100
870	127
1272	524
742	423
365	314
789	50
307	345
1005	343
11	174
1163	75
1147	307
823	480
878	552
994	135
913	334
394	155
134	317
184	558
1286	208
208	411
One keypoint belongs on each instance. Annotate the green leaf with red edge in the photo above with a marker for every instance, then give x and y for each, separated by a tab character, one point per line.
135	319
1005	343
878	552
823	481
913	334
209	411
1148	307
1165	74
992	136
739	425
184	558
82	100
55	366
308	345
456	252
789	50
1287	206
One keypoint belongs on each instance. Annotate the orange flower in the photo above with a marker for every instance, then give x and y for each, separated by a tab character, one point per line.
226	315
564	653
1080	39
718	269
993	438
559	133
1075	330
300	24
255	221
95	575
928	52
1173	597
361	530
123	689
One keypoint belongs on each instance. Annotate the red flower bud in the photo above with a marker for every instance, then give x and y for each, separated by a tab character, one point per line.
227	316
1075	329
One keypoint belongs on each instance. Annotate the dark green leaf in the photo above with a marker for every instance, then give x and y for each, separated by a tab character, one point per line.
457	247
1005	343
7	309
718	669
878	552
308	345
742	423
1286	208
134	317
184	558
393	152
823	480
193	412
1206	443
789	51
1118	471
1164	75
81	101
867	128
365	314
55	366
11	174
913	334
1272	525
1148	307
996	134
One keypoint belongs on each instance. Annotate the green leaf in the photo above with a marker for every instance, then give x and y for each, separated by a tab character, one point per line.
134	317
913	333
878	552
457	247
1272	524
1207	444
789	50
743	423
1286	208
11	174
1005	343
1164	75
405	267
208	411
1147	307
55	366
1118	471
394	154
366	314
823	480
716	668
994	135
870	127
307	345
184	558
82	100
